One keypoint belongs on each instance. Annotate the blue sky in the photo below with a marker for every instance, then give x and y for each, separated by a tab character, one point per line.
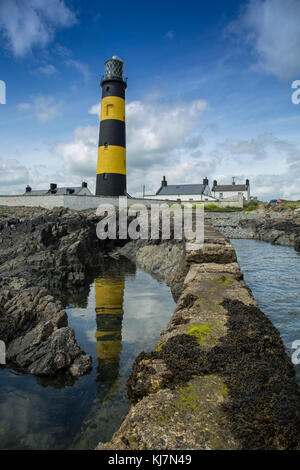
209	92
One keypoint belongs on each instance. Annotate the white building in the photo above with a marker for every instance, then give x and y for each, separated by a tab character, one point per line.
74	190
183	192
229	190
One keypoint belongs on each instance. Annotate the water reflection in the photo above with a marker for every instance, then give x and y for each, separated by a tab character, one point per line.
119	314
109	296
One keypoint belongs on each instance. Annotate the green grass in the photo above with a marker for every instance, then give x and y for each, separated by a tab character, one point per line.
292	205
251	206
214	208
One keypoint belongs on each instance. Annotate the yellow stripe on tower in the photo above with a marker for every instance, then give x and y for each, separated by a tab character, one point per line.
109	350
109	293
113	107
111	159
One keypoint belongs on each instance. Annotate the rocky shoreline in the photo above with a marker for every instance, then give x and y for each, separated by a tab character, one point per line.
43	252
279	228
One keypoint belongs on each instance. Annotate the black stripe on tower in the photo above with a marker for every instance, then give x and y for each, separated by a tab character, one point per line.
113	88
111	184
112	132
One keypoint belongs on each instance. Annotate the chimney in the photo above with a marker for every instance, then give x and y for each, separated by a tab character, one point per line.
233	178
28	189
84	184
164	182
53	187
215	183
247	183
205	181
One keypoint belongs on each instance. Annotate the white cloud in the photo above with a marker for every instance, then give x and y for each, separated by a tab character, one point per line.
80	67
257	147
157	136
12	173
62	51
272	27
271	164
24	106
155	132
32	23
95	109
167	140
48	69
45	108
80	154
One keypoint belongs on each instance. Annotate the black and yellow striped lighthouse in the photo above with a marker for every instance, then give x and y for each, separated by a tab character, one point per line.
111	169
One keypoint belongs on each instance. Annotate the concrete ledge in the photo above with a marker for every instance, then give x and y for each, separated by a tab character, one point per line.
219	377
78	203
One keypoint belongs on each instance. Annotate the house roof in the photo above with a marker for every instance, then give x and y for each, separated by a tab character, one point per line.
60	191
230	187
37	192
64	190
173	189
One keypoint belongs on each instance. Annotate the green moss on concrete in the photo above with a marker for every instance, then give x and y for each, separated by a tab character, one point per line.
221	281
223	389
200	331
188	398
187	402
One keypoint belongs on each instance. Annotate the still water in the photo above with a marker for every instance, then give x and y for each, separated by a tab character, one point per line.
122	314
273	274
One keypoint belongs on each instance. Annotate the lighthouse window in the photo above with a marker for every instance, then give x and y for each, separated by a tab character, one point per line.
107	88
105	176
109	110
106	145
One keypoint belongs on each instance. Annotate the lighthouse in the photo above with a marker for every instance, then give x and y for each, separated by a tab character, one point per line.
111	168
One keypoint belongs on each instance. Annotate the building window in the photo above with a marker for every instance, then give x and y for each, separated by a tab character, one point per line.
109	110
221	195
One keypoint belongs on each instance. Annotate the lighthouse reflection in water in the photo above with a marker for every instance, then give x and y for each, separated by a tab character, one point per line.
39	413
109	297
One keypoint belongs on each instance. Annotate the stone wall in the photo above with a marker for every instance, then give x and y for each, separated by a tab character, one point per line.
84	202
46	202
74	202
279	228
219	377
